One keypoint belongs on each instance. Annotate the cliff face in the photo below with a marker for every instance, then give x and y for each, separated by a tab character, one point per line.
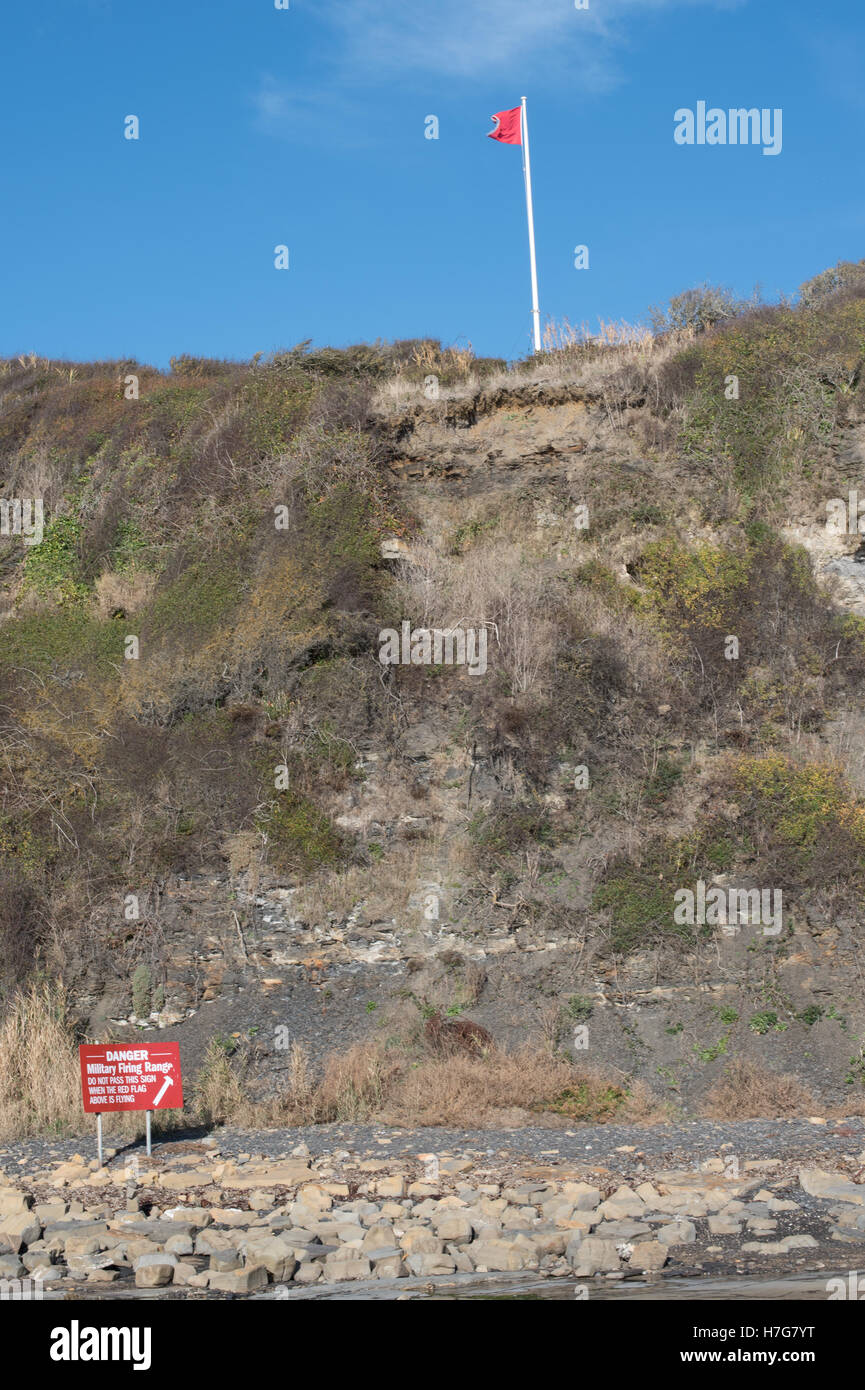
223	815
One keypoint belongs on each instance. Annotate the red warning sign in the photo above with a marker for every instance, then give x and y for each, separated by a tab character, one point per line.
131	1076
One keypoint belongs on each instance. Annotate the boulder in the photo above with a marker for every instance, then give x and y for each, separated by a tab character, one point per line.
245	1280
583	1197
678	1233
20	1230
154	1271
420	1242
341	1267
495	1255
225	1260
648	1255
453	1226
425	1263
593	1256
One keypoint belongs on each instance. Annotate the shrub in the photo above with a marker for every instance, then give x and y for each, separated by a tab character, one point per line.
803	826
698	309
692	592
141	987
843	275
300	838
639	896
749	1091
508	828
795	371
665	776
22	916
797	803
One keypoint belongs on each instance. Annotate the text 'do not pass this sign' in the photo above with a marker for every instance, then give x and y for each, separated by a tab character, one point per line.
131	1076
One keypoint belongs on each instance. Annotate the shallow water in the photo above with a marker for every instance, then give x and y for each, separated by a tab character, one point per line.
731	1288
743	1288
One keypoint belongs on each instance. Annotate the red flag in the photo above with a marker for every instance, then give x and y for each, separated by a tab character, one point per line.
508	127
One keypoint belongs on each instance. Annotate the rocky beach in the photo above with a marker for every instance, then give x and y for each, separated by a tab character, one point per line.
378	1212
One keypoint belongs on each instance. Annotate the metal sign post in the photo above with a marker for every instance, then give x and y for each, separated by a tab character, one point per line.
99	1136
147	1122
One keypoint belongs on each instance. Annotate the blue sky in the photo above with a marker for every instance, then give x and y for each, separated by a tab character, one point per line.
305	127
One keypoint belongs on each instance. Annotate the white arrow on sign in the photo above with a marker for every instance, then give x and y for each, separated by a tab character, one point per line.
169	1081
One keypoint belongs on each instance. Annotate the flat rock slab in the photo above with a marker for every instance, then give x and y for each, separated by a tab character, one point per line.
817	1183
287	1174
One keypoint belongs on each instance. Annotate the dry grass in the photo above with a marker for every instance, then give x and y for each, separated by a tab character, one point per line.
41	1085
405	1085
383	887
402	1083
471	1091
356	1083
219	1093
572	356
560	335
492	587
749	1091
129	592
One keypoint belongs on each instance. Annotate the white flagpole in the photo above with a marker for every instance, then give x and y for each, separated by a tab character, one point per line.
527	171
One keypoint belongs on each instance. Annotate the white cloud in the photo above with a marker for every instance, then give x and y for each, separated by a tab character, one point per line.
322	113
396	40
463	38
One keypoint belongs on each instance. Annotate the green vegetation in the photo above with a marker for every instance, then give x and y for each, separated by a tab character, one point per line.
856	1068
53	568
783	412
799	803
300	838
811	1015
585	1102
658	787
766	1021
690	591
579	1008
48	641
202	598
141	990
513	826
639	897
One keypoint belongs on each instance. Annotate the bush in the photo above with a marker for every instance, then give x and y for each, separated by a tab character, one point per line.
52	569
639	897
141	987
507	829
692	593
22	914
795	370
803	825
662	782
698	309
749	1091
300	838
841	276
